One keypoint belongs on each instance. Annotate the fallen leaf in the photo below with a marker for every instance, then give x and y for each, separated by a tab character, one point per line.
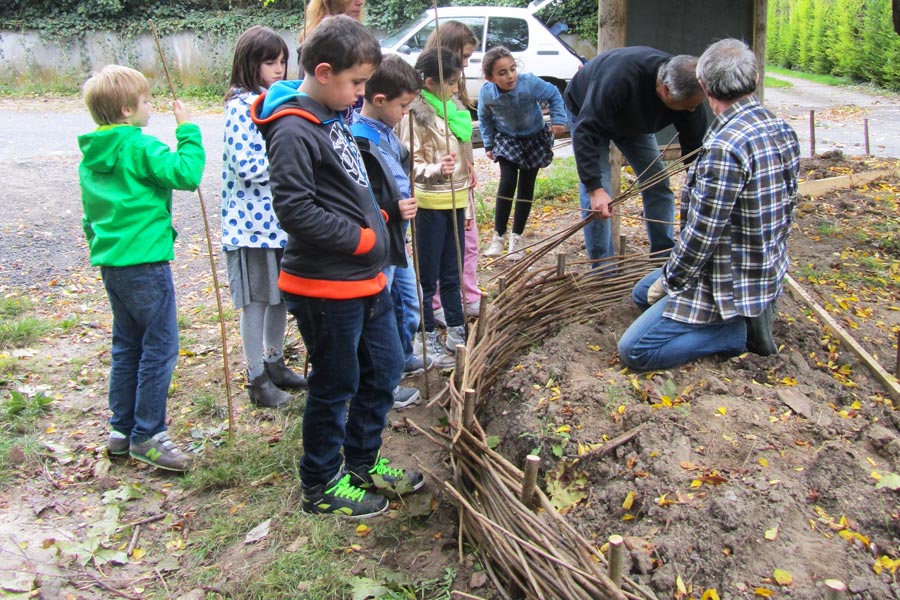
362	530
890	481
629	500
782	577
710	594
763	592
771	534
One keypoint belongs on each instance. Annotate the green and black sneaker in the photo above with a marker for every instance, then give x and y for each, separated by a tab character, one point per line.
387	480
340	498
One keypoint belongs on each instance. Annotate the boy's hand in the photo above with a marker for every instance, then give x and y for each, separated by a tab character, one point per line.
557	130
448	164
490	154
182	114
473	175
408	208
469	224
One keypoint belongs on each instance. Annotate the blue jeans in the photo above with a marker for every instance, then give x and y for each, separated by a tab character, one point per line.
659	202
437	262
356	358
144	347
656	342
405	296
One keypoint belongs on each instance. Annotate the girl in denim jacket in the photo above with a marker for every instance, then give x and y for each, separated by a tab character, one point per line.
515	135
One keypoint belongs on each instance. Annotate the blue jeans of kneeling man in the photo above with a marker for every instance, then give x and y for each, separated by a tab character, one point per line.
656	342
357	362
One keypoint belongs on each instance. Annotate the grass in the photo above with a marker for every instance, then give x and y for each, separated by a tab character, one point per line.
814	77
557	183
20	415
17	329
771	82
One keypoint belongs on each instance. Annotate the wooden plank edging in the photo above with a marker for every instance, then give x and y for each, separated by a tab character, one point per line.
817	187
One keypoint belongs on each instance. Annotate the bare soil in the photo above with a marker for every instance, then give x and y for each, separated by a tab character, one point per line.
743	466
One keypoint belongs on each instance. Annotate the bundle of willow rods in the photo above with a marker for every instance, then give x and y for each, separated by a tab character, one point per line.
530	550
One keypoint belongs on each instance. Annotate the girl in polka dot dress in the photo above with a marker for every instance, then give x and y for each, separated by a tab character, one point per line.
251	235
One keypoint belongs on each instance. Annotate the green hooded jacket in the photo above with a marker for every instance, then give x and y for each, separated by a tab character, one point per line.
127	179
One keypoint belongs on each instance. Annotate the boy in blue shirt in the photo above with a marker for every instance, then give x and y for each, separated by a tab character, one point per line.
332	273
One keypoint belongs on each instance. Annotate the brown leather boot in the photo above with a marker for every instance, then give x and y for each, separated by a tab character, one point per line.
263	392
284	377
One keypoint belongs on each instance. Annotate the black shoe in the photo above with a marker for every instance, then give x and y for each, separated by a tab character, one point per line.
263	392
341	498
759	332
283	377
387	480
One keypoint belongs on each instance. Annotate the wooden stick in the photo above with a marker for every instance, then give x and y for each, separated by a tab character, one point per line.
613	443
415	254
532	466
888	380
151	519
835	589
616	547
134	540
866	136
469	409
561	264
812	133
212	263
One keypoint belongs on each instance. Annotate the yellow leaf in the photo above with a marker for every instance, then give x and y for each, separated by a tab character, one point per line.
362	530
788	381
722	410
654	453
763	462
679	584
594	347
782	577
856	405
621	409
696	483
772	534
710	594
50	429
563	429
628	517
138	553
629	500
763	592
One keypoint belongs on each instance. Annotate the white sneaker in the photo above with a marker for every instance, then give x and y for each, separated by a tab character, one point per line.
439	319
515	245
437	352
456	336
473	309
417	344
498	243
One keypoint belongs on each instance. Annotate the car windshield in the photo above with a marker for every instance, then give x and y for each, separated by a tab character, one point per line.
392	38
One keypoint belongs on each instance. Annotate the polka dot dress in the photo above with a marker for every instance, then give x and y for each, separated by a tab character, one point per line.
248	220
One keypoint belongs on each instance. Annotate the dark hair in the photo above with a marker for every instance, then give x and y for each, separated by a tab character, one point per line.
393	78
428	66
454	37
491	57
342	42
255	46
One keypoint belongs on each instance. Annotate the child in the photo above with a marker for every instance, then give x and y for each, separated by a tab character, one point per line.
252	238
515	135
390	91
442	182
127	179
331	273
460	39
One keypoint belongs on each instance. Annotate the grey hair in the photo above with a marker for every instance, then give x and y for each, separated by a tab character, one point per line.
729	69
679	74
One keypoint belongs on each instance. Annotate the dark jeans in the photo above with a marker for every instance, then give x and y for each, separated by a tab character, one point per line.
355	352
511	179
437	262
144	347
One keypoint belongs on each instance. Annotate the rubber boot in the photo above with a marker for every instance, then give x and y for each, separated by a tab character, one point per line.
263	392
283	377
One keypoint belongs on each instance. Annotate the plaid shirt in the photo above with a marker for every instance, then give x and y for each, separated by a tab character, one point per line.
737	206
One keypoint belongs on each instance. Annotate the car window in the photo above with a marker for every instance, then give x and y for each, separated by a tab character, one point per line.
509	32
417	42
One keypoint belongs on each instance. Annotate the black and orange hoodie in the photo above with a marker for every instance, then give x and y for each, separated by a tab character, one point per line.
337	239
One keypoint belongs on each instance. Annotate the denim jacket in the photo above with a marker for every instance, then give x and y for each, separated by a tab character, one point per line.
517	113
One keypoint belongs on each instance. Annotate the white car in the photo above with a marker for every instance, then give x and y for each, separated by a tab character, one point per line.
536	49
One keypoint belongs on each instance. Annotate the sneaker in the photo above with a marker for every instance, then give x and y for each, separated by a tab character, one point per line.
498	243
341	498
418	345
473	309
162	453
456	336
117	443
405	397
515	248
439	319
415	365
759	332
438	352
388	480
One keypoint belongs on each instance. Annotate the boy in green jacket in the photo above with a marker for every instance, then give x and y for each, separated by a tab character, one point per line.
127	179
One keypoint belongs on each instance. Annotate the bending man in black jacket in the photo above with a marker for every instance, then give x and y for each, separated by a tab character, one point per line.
625	96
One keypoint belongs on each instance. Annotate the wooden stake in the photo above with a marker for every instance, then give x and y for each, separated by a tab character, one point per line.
529	483
482	320
835	589
616	551
897	362
469	409
212	264
812	133
866	136
459	371
561	264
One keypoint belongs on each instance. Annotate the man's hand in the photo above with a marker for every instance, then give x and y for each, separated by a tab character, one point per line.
557	130
600	203
408	208
656	291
